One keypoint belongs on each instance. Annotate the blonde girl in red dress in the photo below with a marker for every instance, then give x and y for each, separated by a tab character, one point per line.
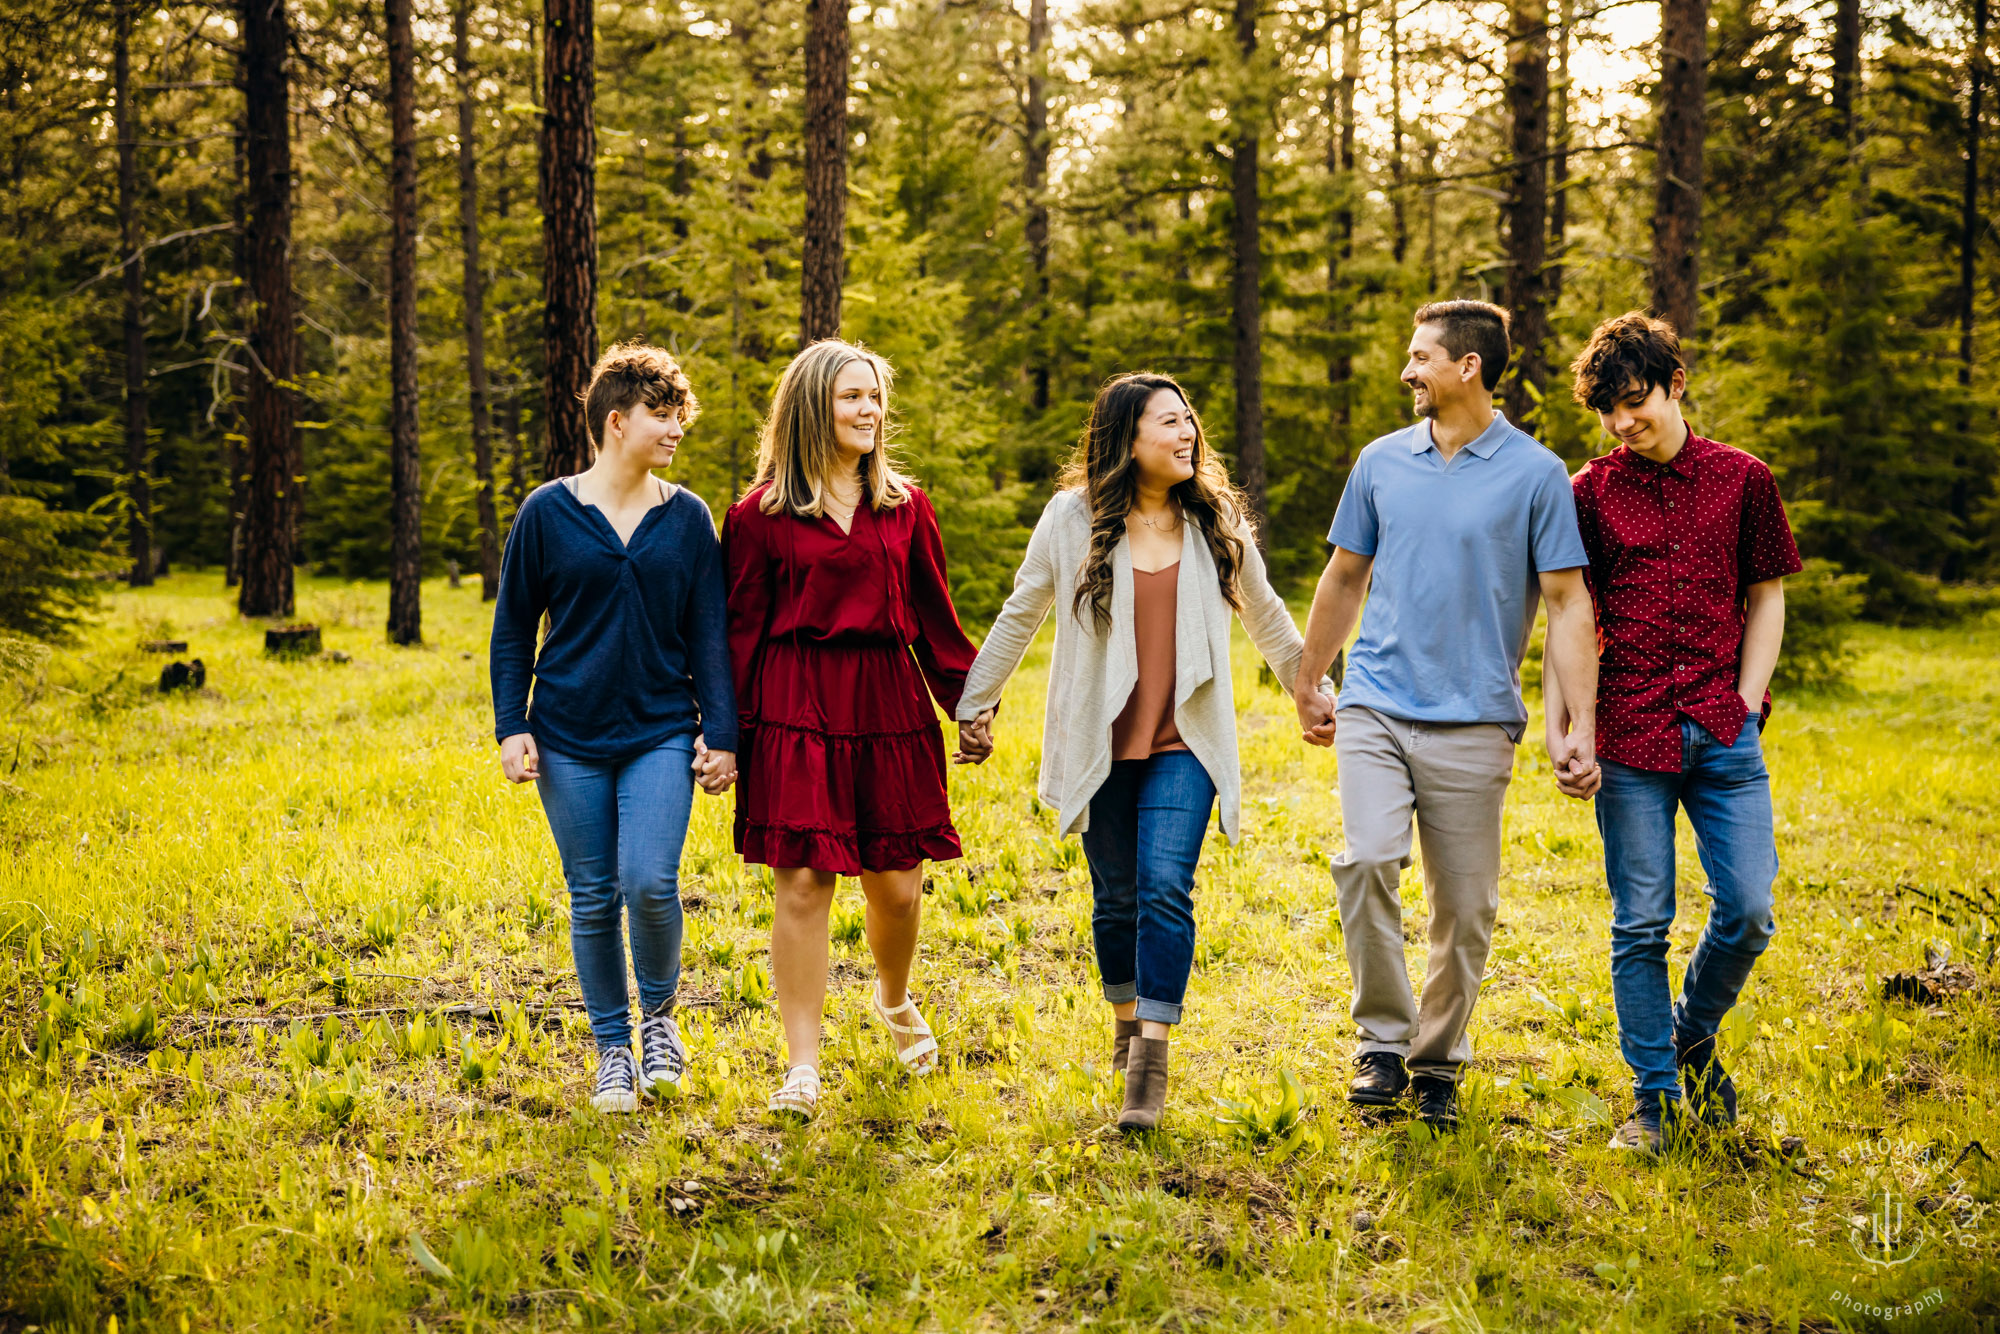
841	633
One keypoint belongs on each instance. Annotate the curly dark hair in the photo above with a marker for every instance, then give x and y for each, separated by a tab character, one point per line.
1628	354
1103	471
634	373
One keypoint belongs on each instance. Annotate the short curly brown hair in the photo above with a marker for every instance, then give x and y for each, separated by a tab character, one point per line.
1628	353
634	373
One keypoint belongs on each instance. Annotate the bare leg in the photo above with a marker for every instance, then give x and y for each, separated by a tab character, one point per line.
895	913
798	957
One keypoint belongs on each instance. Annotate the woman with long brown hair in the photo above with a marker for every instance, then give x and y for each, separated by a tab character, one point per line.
841	632
1145	553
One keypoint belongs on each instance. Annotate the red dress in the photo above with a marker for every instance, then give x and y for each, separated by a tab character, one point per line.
833	638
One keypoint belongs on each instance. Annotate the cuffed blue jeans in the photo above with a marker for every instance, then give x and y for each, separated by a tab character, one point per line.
619	825
1726	792
1146	826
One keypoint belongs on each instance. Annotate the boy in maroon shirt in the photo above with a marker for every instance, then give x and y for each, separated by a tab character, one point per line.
1688	546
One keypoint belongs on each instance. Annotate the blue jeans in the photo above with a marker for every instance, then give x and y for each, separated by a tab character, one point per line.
1146	827
619	825
1726	792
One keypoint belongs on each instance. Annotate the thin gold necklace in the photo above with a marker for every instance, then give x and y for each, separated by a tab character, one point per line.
1154	526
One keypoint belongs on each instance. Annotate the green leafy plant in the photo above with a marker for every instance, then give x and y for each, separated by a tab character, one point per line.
136	1025
418	1037
477	1267
749	985
321	1048
337	1097
537	909
476	1063
384	926
1272	1117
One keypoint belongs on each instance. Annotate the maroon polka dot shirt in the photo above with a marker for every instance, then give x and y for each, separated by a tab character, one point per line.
1673	547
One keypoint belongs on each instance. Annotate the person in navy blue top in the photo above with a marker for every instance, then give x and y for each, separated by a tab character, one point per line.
627	704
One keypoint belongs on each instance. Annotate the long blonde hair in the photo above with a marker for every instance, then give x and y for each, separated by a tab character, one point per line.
797	453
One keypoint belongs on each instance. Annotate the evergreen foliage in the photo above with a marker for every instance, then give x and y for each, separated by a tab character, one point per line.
1830	292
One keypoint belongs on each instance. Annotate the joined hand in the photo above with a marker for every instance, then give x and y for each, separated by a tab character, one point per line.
975	740
715	770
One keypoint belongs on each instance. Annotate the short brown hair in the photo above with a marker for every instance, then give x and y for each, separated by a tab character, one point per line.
1472	326
1631	352
634	373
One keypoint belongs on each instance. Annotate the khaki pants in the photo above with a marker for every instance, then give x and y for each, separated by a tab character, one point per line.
1453	778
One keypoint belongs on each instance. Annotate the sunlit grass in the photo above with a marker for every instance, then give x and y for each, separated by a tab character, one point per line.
292	1038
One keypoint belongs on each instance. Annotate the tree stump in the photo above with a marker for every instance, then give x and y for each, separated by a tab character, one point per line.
292	640
183	676
164	646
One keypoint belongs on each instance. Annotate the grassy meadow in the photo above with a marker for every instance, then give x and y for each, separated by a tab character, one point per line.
291	1041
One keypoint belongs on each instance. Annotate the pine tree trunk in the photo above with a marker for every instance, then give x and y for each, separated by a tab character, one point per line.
1340	167
1846	65
1034	180
1398	205
1678	166
232	449
141	573
825	170
406	527
569	229
269	407
517	450
1245	293
475	301
1526	209
1968	242
1559	161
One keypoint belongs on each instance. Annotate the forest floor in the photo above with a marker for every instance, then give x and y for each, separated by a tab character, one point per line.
291	1040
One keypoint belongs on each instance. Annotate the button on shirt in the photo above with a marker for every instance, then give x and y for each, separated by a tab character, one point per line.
1673	547
1457	546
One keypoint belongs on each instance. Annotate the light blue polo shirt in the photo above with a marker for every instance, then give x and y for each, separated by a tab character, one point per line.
1457	546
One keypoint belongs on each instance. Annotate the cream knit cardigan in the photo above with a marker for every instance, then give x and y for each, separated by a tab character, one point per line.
1094	670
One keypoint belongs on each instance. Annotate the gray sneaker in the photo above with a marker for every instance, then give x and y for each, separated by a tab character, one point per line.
663	1057
617	1081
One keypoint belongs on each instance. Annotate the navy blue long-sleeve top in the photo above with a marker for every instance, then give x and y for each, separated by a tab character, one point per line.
637	651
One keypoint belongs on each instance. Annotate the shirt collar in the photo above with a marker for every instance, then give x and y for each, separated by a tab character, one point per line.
1489	441
1681	465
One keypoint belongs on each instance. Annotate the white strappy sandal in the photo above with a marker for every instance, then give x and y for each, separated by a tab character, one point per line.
920	1057
799	1094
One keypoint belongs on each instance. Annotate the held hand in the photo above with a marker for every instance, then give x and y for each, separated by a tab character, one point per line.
975	740
1315	717
716	770
1573	754
519	759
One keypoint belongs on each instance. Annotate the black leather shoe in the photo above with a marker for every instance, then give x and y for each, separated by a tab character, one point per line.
1711	1097
1379	1079
1437	1101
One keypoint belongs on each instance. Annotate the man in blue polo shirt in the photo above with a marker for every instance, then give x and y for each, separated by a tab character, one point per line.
1462	520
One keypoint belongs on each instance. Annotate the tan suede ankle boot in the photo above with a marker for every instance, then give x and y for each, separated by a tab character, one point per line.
1145	1084
1122	1033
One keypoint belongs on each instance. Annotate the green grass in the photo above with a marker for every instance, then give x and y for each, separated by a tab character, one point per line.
291	1040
